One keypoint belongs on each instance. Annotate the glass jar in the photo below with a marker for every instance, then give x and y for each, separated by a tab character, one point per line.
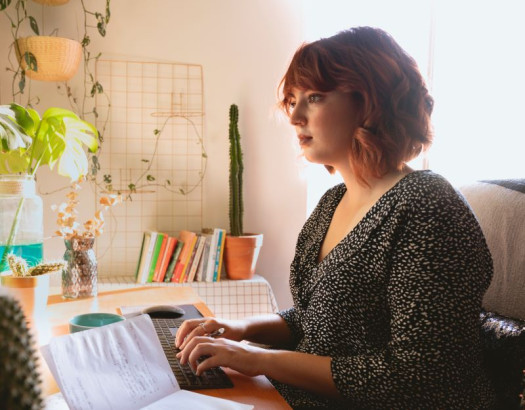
79	279
21	220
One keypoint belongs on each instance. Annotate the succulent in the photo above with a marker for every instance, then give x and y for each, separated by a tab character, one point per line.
236	170
19	379
19	266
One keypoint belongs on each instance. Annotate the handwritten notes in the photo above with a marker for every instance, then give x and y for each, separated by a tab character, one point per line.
120	366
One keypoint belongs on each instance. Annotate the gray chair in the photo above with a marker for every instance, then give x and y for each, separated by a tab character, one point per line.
499	206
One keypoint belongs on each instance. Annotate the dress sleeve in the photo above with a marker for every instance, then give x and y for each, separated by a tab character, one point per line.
439	269
291	317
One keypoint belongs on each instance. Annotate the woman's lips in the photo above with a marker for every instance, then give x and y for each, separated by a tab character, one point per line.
304	139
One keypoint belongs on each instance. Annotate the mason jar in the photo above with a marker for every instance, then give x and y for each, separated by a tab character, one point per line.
21	220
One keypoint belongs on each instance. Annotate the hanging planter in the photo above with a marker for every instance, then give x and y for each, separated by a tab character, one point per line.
57	58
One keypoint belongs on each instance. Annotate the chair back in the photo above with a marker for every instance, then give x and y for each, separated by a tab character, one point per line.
499	206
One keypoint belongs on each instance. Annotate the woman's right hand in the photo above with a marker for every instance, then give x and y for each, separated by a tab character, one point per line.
233	329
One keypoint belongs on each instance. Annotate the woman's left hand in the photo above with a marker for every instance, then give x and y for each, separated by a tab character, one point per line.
238	356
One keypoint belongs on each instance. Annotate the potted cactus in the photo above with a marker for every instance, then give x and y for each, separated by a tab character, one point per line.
30	285
241	249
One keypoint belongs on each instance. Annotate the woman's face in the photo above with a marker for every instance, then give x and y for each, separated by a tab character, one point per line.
325	123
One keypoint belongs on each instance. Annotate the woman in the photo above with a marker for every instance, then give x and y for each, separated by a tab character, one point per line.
390	268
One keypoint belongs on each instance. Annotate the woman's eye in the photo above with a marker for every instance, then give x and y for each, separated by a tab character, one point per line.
291	105
314	98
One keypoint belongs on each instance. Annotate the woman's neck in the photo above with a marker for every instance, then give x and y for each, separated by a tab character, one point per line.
361	194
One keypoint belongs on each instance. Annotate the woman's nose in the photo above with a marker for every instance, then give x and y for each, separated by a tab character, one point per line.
297	117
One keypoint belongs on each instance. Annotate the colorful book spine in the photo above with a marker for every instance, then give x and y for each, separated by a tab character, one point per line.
187	237
155	255
173	261
201	271
159	258
199	247
208	274
191	238
137	270
218	255
144	271
170	246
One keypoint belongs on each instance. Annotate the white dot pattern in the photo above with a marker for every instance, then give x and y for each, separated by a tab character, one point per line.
396	303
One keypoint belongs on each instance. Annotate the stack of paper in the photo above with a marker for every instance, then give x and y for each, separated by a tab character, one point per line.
120	366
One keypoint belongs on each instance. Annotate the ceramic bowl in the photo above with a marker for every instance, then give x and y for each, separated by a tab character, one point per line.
92	320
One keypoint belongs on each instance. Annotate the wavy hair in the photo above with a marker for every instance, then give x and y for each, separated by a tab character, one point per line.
368	64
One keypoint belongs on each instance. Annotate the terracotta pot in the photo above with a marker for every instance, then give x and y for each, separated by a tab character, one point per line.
57	58
240	255
31	292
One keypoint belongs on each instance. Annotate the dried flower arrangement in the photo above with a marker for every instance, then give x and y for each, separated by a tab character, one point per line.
67	215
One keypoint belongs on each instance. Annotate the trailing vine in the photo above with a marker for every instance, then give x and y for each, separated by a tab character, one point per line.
83	105
20	17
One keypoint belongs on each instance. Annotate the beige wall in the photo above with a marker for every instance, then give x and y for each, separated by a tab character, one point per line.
244	47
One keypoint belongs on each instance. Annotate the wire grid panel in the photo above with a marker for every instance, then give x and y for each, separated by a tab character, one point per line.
153	150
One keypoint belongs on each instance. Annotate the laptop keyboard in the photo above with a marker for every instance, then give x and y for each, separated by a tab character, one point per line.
213	378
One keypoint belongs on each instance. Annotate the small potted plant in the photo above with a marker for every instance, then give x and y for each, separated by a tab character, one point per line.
241	249
30	285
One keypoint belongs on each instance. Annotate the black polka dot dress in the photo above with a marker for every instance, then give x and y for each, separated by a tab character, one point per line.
396	303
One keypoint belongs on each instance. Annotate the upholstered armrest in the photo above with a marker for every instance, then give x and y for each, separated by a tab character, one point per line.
504	354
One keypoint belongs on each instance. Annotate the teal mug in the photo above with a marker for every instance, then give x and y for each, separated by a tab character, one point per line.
92	320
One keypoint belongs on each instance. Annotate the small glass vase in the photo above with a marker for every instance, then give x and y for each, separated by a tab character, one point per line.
79	279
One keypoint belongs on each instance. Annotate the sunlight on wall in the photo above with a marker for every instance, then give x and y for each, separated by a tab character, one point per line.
477	79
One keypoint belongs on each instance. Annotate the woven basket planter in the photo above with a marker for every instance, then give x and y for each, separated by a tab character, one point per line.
57	58
51	2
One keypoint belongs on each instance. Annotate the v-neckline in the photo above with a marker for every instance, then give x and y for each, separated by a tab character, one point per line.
341	192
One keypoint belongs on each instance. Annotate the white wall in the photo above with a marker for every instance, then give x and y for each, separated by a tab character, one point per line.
244	48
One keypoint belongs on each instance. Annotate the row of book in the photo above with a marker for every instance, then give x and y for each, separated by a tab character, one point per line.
186	258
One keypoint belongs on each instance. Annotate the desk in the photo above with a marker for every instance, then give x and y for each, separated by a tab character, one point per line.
257	390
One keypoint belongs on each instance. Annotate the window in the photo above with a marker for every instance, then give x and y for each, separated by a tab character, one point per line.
472	55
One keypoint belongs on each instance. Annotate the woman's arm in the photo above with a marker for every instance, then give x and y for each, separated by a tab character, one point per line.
306	371
266	329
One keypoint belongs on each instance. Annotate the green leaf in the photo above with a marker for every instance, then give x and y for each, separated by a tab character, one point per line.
13	134
5	3
30	60
108	11
27	119
150	178
85	41
34	25
132	188
101	24
22	82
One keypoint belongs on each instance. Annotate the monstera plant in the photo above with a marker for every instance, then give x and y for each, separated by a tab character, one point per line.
58	139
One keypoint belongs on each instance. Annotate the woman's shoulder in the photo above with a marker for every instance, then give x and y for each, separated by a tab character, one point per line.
426	184
426	191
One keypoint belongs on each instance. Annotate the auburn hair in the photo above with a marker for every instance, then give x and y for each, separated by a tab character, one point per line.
368	64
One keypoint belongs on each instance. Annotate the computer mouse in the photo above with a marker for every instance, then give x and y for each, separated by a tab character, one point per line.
164	311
